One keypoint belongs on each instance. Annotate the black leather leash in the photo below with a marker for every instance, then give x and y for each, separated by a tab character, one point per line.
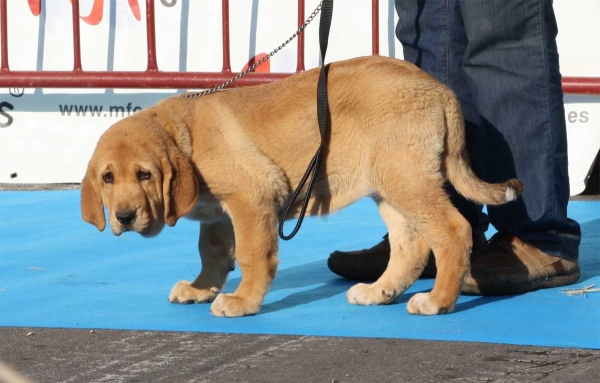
323	118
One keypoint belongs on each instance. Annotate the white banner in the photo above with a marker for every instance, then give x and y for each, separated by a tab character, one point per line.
48	135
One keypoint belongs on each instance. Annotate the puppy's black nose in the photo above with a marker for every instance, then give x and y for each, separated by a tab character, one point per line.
125	216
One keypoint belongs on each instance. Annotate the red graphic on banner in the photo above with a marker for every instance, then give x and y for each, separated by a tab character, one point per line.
96	14
35	6
262	68
135	8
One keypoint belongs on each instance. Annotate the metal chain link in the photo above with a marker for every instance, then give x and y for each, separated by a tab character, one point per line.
256	64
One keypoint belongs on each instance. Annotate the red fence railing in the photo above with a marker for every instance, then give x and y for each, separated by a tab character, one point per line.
153	77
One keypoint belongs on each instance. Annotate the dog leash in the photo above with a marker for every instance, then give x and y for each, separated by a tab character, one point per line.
326	9
323	119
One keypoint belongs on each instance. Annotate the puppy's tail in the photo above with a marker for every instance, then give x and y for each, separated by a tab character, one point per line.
458	168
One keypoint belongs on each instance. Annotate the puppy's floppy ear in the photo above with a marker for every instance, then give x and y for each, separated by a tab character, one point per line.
92	210
180	186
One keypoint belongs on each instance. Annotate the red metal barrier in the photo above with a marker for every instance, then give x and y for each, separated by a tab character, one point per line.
155	78
581	85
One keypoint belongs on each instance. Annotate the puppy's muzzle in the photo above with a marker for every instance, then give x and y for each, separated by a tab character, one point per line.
125	217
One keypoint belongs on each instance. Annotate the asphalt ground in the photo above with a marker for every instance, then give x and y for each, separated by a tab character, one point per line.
69	355
76	355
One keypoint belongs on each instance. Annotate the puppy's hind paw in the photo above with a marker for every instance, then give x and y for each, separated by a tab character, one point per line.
367	295
424	304
231	305
183	292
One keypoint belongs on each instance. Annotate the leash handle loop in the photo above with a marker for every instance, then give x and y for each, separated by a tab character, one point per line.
314	165
323	120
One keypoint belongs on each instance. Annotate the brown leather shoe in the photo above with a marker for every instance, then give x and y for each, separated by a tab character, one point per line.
510	266
369	264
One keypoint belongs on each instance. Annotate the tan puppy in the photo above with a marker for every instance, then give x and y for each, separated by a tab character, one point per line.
231	160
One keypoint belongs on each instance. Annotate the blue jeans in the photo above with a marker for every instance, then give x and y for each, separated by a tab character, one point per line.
501	60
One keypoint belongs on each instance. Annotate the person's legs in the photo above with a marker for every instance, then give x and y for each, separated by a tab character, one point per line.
512	70
433	38
509	83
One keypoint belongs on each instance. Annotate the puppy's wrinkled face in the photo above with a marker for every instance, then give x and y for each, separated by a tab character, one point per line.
142	177
130	184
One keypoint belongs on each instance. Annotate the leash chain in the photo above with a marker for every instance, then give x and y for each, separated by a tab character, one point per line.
256	64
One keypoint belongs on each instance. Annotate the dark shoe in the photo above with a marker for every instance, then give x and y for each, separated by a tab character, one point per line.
510	266
361	265
369	264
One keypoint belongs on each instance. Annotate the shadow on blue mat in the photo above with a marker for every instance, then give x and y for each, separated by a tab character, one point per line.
57	271
312	274
590	265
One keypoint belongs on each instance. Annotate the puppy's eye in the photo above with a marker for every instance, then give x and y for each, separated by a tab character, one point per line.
108	178
143	176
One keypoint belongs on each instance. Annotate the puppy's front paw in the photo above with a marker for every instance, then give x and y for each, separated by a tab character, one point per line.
367	295
231	305
184	292
424	304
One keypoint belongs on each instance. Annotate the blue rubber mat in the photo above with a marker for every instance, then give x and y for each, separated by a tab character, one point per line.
57	271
